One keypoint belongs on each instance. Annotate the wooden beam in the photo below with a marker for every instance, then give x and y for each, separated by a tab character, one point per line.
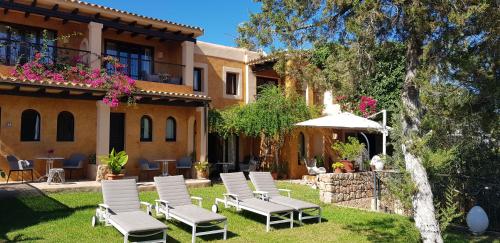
5	11
33	4
115	24
97	15
26	14
75	11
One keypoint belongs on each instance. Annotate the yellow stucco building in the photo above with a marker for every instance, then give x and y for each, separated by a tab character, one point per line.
170	119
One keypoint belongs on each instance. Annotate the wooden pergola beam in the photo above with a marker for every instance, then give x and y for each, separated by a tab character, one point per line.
116	24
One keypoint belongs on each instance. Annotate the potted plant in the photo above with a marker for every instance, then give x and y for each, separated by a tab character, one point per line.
282	170
338	167
201	169
115	162
349	151
274	170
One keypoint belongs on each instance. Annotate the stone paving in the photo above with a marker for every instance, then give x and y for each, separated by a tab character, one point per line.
39	188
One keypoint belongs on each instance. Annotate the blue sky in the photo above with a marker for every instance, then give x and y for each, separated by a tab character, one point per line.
219	18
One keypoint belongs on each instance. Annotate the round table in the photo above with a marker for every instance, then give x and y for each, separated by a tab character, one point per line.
49	164
164	169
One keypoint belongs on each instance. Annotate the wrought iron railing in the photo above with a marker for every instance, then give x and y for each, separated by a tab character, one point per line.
148	70
13	52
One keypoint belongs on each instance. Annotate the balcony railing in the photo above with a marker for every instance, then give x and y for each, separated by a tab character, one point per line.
13	52
149	70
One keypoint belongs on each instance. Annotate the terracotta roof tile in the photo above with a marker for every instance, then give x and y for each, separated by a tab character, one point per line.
134	14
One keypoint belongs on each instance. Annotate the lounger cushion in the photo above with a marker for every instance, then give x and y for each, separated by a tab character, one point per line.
263	181
293	203
263	206
195	214
137	221
237	184
121	195
173	190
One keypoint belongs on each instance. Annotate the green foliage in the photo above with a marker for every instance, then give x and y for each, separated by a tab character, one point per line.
273	114
449	210
201	166
338	165
115	161
349	150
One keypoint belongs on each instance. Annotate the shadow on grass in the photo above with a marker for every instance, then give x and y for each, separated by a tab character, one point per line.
188	230
21	212
384	230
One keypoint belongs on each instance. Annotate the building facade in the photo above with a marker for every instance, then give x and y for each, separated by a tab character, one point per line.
178	80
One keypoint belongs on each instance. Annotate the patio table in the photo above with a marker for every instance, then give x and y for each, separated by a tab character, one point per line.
164	169
225	166
49	164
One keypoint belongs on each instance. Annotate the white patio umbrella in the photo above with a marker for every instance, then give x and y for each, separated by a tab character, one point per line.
343	120
346	120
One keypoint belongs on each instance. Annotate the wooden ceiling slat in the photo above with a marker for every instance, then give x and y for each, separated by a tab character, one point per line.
86	19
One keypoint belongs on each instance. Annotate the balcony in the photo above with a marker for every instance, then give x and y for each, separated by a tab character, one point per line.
146	69
13	52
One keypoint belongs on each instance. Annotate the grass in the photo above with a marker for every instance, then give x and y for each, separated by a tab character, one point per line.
65	217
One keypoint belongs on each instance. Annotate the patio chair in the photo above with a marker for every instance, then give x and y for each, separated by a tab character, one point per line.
185	163
175	203
147	167
250	166
312	169
16	165
264	183
122	210
241	197
75	162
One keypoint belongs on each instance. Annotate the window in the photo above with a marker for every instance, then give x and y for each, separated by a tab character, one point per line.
137	59
65	126
30	125
20	43
146	129
231	83
171	129
197	79
302	148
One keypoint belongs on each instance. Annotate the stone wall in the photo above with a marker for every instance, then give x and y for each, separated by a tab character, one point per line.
345	186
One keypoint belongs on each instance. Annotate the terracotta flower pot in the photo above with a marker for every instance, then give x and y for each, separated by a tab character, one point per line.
201	174
338	170
115	176
348	165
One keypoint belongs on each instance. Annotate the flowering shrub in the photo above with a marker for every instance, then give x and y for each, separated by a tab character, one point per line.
364	106
117	84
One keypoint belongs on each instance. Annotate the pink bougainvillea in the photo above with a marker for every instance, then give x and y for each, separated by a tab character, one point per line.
117	85
364	106
367	105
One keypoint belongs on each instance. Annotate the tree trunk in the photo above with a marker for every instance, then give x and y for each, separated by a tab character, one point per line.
423	207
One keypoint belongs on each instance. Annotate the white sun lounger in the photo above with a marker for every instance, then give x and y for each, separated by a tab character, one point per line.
264	183
175	203
241	197
122	210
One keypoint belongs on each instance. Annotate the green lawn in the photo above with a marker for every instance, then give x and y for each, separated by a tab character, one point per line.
65	217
